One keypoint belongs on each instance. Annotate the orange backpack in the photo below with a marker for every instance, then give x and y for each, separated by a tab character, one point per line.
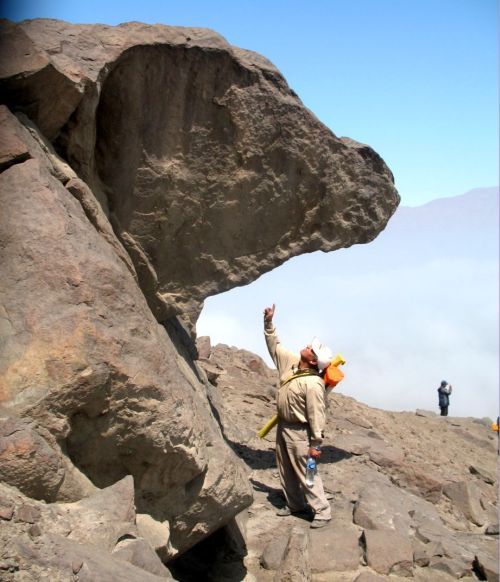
333	374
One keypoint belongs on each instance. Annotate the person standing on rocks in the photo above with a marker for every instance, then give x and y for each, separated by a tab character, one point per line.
444	392
301	421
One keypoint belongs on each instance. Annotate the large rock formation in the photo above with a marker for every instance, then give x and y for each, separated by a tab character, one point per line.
85	360
210	167
144	168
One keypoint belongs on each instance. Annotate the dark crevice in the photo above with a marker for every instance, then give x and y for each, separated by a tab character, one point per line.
20	159
217	558
362	545
478	569
125	537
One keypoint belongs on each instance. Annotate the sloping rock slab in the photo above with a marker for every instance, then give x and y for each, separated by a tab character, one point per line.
335	549
85	359
388	552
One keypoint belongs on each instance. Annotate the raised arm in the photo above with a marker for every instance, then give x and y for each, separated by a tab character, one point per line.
268	317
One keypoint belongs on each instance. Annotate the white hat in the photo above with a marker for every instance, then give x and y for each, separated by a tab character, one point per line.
324	353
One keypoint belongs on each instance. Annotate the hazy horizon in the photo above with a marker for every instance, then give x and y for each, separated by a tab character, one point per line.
403	319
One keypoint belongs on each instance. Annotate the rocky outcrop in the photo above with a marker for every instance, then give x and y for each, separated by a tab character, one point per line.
211	169
143	168
385	524
95	538
100	387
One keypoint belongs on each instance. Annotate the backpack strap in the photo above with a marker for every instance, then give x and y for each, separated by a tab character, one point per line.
306	372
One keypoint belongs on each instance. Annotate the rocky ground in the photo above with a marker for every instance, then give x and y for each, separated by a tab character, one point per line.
413	494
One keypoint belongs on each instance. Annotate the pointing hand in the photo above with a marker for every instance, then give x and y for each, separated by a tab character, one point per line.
269	313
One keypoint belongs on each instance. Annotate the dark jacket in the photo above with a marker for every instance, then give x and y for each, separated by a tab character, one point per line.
444	398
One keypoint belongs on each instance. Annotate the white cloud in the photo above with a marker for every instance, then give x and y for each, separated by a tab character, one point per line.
402	321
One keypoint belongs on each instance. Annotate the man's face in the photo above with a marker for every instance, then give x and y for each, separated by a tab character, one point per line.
307	355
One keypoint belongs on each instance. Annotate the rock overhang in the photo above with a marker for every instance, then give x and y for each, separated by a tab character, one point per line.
209	166
216	176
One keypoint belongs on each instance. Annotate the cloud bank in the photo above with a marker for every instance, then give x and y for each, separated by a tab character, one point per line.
416	306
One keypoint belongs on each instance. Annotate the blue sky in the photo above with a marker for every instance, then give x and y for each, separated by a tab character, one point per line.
416	80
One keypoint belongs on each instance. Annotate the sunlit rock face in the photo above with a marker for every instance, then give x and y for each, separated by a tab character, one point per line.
143	168
210	167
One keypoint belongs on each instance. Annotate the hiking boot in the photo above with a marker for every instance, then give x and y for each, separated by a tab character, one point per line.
317	523
285	511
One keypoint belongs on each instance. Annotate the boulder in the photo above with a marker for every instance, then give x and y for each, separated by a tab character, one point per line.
418	480
273	553
465	497
483	474
139	553
95	539
84	358
166	125
423	553
13	147
156	533
295	566
399	512
335	549
28	462
454	567
388	552
184	167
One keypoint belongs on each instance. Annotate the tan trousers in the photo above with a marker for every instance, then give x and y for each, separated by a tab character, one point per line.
292	446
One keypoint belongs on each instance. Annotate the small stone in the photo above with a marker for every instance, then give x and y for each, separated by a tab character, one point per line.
483	474
273	553
34	531
425	413
27	514
76	566
9	564
6	513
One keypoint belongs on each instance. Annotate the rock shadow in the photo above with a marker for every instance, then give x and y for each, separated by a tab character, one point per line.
331	454
218	557
274	495
266	459
254	458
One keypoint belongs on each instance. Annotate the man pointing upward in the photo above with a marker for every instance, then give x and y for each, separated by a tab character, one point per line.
301	421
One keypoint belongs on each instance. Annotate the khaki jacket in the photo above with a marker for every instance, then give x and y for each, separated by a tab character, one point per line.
302	399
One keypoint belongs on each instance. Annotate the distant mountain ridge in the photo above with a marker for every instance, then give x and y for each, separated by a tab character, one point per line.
464	226
466	223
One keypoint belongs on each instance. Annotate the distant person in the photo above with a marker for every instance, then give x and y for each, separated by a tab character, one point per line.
301	421
444	392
